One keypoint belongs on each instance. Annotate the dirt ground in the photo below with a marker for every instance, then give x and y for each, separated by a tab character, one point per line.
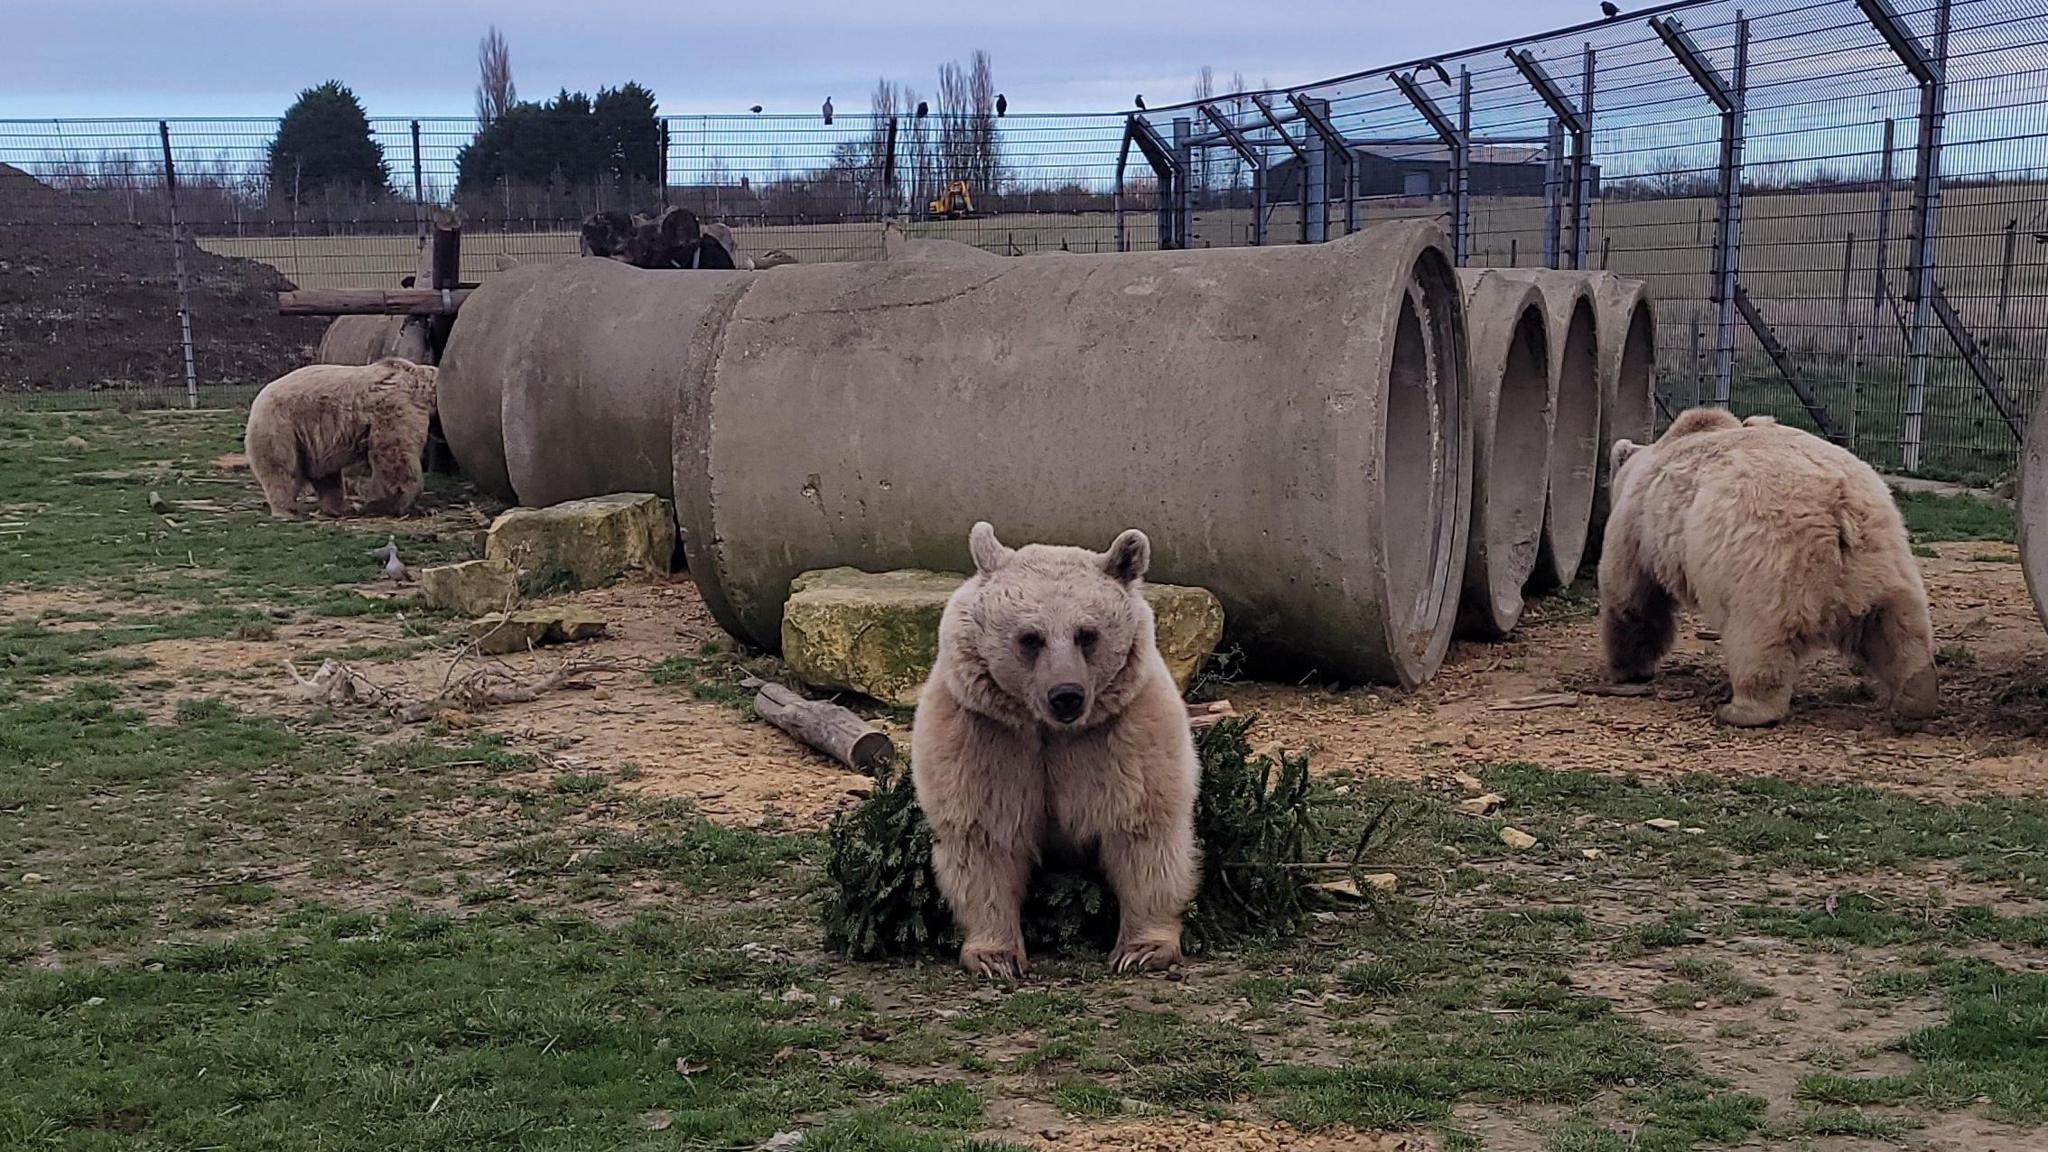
736	771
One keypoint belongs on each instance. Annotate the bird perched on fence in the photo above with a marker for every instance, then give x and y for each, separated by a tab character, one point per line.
1002	104
828	111
1608	9
1437	68
756	109
1139	100
923	109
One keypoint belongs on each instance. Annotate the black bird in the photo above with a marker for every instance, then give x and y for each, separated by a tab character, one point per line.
756	109
828	111
1139	100
1002	104
1437	68
1608	9
923	109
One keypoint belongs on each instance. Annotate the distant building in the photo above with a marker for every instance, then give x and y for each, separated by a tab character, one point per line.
1422	170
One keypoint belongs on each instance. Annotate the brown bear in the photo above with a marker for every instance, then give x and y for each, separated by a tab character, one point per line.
1050	721
308	425
1785	543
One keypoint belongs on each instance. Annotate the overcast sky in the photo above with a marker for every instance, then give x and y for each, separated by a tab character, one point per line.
249	57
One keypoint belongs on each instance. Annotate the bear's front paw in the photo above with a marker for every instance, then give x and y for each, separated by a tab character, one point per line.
1145	956
1747	714
994	961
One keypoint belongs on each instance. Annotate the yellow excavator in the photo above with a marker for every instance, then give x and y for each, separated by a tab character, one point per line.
956	203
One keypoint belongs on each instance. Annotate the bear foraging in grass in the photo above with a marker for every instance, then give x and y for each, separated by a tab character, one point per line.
1050	722
308	425
1785	543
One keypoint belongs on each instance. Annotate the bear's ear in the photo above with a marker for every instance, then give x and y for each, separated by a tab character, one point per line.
1620	453
989	553
1128	558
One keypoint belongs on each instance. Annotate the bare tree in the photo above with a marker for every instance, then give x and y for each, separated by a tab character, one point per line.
967	148
495	92
1204	91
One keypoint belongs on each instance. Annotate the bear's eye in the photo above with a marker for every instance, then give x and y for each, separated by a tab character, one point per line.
1086	638
1031	643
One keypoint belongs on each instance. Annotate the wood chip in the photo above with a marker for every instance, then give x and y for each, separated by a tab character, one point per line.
1620	690
1470	783
1661	824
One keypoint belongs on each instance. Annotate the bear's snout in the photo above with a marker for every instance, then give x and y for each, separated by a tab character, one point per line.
1067	702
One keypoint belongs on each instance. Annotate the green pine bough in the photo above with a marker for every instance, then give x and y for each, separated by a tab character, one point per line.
1253	819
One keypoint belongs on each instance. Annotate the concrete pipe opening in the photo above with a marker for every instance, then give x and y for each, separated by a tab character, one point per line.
2033	511
1511	433
1287	424
1575	447
1628	380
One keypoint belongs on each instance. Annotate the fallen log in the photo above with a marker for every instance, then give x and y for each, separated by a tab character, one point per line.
826	727
371	302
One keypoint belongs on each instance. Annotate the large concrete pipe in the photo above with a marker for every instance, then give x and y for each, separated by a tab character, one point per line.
1290	426
588	407
1628	379
1512	394
489	342
2033	510
368	339
1575	447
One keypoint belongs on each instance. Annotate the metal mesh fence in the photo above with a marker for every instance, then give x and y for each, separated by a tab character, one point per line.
1818	303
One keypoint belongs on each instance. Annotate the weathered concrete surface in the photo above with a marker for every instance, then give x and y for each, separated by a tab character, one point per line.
585	543
1628	380
1288	424
877	633
898	246
1512	393
368	339
501	633
473	587
583	359
2032	510
1575	446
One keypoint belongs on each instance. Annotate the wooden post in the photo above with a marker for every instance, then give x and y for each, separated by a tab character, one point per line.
370	302
1605	243
1514	251
2005	270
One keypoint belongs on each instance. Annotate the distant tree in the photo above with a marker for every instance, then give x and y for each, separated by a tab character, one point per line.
1204	91
495	92
324	141
967	146
571	141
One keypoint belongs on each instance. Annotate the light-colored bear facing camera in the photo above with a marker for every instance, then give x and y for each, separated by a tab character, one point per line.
1784	542
1050	722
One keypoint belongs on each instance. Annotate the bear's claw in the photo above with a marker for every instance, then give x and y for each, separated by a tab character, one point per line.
994	961
1145	956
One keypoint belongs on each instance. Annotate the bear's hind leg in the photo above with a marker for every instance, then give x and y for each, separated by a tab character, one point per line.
333	500
1762	665
1894	644
1154	878
281	492
984	884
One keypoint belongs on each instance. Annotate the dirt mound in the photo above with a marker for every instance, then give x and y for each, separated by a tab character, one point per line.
89	301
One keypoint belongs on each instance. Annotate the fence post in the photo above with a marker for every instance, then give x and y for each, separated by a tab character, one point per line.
1315	207
1552	177
1461	205
1930	70
1183	187
419	194
661	166
163	128
1582	170
1730	97
2005	270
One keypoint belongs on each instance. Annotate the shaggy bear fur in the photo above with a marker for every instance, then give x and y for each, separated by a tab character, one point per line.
306	426
1050	723
1785	543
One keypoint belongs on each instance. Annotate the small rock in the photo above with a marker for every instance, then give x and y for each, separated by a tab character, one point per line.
75	443
1591	853
781	1142
1694	831
472	588
31	877
1661	824
799	996
657	1120
1517	839
1345	887
1470	783
1482	805
501	633
95	1001
687	1067
1382	881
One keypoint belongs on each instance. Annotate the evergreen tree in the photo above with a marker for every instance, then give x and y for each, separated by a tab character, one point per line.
323	141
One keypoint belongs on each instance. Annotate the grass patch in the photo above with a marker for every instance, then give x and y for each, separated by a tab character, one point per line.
1933	518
